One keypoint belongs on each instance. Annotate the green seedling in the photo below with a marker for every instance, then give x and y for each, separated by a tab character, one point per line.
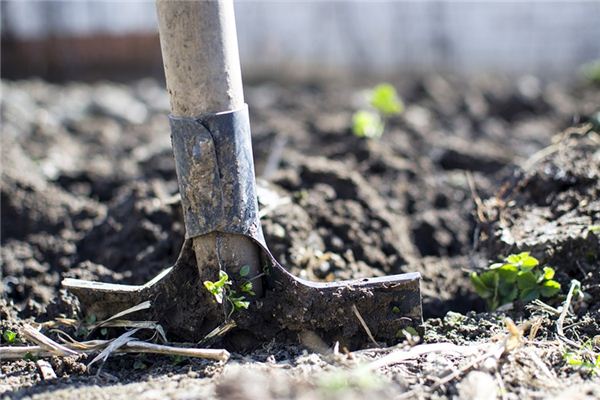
585	359
591	72
221	289
384	103
246	287
385	100
518	277
9	336
367	124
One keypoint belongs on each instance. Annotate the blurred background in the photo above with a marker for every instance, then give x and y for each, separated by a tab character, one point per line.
118	40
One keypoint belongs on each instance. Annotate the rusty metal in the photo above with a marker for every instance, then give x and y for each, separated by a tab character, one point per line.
215	171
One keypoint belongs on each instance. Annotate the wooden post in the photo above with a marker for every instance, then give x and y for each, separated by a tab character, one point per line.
202	68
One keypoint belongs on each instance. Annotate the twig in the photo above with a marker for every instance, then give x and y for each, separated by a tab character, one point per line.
142	306
144	347
21	352
561	319
114	345
542	366
495	351
540	155
364	325
399	356
501	385
92	346
475	196
219	331
35	336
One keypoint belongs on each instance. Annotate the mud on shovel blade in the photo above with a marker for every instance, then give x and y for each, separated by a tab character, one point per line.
215	173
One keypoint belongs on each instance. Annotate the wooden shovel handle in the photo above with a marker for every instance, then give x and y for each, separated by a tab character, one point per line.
202	68
200	56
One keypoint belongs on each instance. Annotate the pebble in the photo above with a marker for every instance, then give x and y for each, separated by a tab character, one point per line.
478	385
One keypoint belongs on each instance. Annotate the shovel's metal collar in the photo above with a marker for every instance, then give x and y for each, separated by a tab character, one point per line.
215	171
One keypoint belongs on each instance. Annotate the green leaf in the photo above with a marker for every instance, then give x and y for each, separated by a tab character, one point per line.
526	280
367	124
210	286
550	288
247	288
573	360
548	273
490	279
528	263
514	258
480	287
239	302
385	100
245	271
508	273
508	291
530	294
497	265
215	290
223	279
9	336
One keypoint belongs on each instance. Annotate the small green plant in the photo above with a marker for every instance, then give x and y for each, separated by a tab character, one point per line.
385	100
9	336
518	277
367	124
221	289
591	72
384	103
584	358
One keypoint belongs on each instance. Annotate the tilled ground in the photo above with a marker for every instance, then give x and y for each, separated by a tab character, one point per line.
468	173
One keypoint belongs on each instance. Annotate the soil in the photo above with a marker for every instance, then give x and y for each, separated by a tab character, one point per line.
470	172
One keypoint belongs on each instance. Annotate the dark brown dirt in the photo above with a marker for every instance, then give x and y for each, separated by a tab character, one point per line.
89	191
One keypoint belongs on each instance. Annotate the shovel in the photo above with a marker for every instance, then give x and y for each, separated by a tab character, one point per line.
256	299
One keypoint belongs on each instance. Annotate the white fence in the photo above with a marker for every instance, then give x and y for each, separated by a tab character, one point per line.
542	37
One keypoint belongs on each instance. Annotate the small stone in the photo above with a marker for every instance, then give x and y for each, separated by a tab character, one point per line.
478	385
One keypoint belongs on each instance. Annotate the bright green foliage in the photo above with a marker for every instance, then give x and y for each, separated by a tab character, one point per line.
385	100
585	359
518	277
367	124
9	336
246	287
591	71
221	289
238	302
218	288
384	103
